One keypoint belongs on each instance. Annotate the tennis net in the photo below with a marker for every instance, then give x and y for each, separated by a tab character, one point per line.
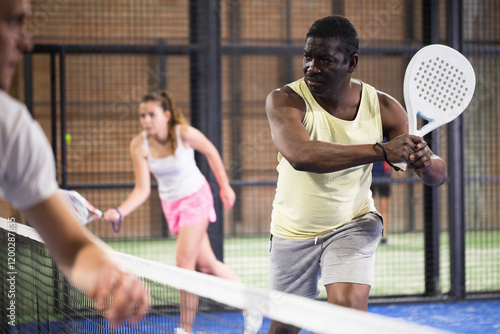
36	298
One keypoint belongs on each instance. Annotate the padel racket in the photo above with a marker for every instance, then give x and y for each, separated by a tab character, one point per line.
83	210
439	84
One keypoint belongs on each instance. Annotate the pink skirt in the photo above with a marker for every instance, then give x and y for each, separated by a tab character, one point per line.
190	210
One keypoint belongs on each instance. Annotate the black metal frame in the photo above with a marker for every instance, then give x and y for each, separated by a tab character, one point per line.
206	103
432	203
205	53
456	169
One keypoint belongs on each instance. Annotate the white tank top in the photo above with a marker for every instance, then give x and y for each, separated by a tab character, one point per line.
178	175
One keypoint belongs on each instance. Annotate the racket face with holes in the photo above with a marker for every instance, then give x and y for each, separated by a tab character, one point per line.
83	210
439	84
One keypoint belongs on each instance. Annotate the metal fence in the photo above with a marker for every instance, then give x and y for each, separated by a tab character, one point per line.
93	60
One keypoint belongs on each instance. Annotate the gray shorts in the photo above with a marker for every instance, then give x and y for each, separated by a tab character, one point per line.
344	255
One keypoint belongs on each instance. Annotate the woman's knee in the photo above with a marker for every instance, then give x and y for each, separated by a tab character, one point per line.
207	267
185	261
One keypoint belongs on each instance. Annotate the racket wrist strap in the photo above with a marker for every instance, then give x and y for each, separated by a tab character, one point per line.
120	219
385	157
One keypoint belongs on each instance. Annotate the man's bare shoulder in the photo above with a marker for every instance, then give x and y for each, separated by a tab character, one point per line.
285	97
386	100
284	92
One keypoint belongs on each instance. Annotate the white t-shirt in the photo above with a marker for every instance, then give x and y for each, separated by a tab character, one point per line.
27	168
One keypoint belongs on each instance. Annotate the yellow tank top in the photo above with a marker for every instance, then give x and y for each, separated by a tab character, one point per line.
308	205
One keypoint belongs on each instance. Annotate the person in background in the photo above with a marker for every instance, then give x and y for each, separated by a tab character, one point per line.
166	149
328	129
28	182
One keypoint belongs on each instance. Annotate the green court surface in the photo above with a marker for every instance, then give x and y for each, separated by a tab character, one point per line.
399	265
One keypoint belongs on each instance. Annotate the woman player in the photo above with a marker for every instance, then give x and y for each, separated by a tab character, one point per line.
165	148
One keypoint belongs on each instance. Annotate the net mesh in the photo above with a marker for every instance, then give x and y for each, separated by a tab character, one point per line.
36	298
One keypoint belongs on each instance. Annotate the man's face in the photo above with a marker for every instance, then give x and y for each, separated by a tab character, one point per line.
325	67
14	40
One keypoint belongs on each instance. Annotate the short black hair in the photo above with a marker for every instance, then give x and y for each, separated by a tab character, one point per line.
339	27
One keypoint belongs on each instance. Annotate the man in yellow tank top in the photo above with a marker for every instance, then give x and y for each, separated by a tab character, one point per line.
328	129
